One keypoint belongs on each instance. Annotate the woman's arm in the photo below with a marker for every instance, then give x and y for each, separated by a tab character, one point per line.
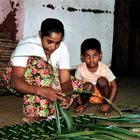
18	82
65	80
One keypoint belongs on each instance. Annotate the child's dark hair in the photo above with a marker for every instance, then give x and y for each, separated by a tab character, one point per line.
90	43
51	25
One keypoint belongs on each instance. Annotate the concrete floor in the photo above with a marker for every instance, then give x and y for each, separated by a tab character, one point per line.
128	99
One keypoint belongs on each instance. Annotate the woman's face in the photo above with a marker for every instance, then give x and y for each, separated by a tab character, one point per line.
51	43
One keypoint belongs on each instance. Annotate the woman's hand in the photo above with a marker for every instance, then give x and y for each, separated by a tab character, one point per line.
50	94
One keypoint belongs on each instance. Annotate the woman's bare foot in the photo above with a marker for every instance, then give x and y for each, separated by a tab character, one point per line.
30	119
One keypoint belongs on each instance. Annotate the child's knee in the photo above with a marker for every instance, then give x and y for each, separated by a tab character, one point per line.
103	86
102	82
88	86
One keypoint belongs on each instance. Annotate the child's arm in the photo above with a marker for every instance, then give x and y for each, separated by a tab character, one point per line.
105	107
113	93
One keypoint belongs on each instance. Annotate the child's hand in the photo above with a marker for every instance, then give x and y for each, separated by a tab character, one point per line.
67	103
105	108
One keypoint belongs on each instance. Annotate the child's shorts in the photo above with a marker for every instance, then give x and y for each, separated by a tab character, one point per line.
96	97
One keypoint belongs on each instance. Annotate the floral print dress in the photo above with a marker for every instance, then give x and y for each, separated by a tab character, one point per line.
40	73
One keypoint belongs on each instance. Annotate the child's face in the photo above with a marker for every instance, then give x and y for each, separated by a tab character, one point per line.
91	58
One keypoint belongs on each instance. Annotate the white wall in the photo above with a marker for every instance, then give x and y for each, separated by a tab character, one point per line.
78	25
6	9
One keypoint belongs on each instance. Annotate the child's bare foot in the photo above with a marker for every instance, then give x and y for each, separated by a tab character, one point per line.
80	108
105	108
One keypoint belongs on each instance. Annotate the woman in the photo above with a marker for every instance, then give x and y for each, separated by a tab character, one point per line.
40	70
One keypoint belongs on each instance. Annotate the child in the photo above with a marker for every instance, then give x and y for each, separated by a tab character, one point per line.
95	77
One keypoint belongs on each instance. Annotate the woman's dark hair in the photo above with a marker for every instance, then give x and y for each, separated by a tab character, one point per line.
51	25
90	44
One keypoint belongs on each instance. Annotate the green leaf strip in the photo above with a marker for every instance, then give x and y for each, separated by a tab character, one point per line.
114	129
67	116
57	117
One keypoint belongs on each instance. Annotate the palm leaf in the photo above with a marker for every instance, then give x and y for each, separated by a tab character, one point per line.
132	118
129	116
67	116
127	121
107	135
82	138
74	134
115	129
89	135
57	117
118	118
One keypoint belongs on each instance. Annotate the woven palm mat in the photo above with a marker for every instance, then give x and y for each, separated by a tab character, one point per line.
42	129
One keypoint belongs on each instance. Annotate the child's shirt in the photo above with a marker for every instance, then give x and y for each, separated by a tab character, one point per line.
82	73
